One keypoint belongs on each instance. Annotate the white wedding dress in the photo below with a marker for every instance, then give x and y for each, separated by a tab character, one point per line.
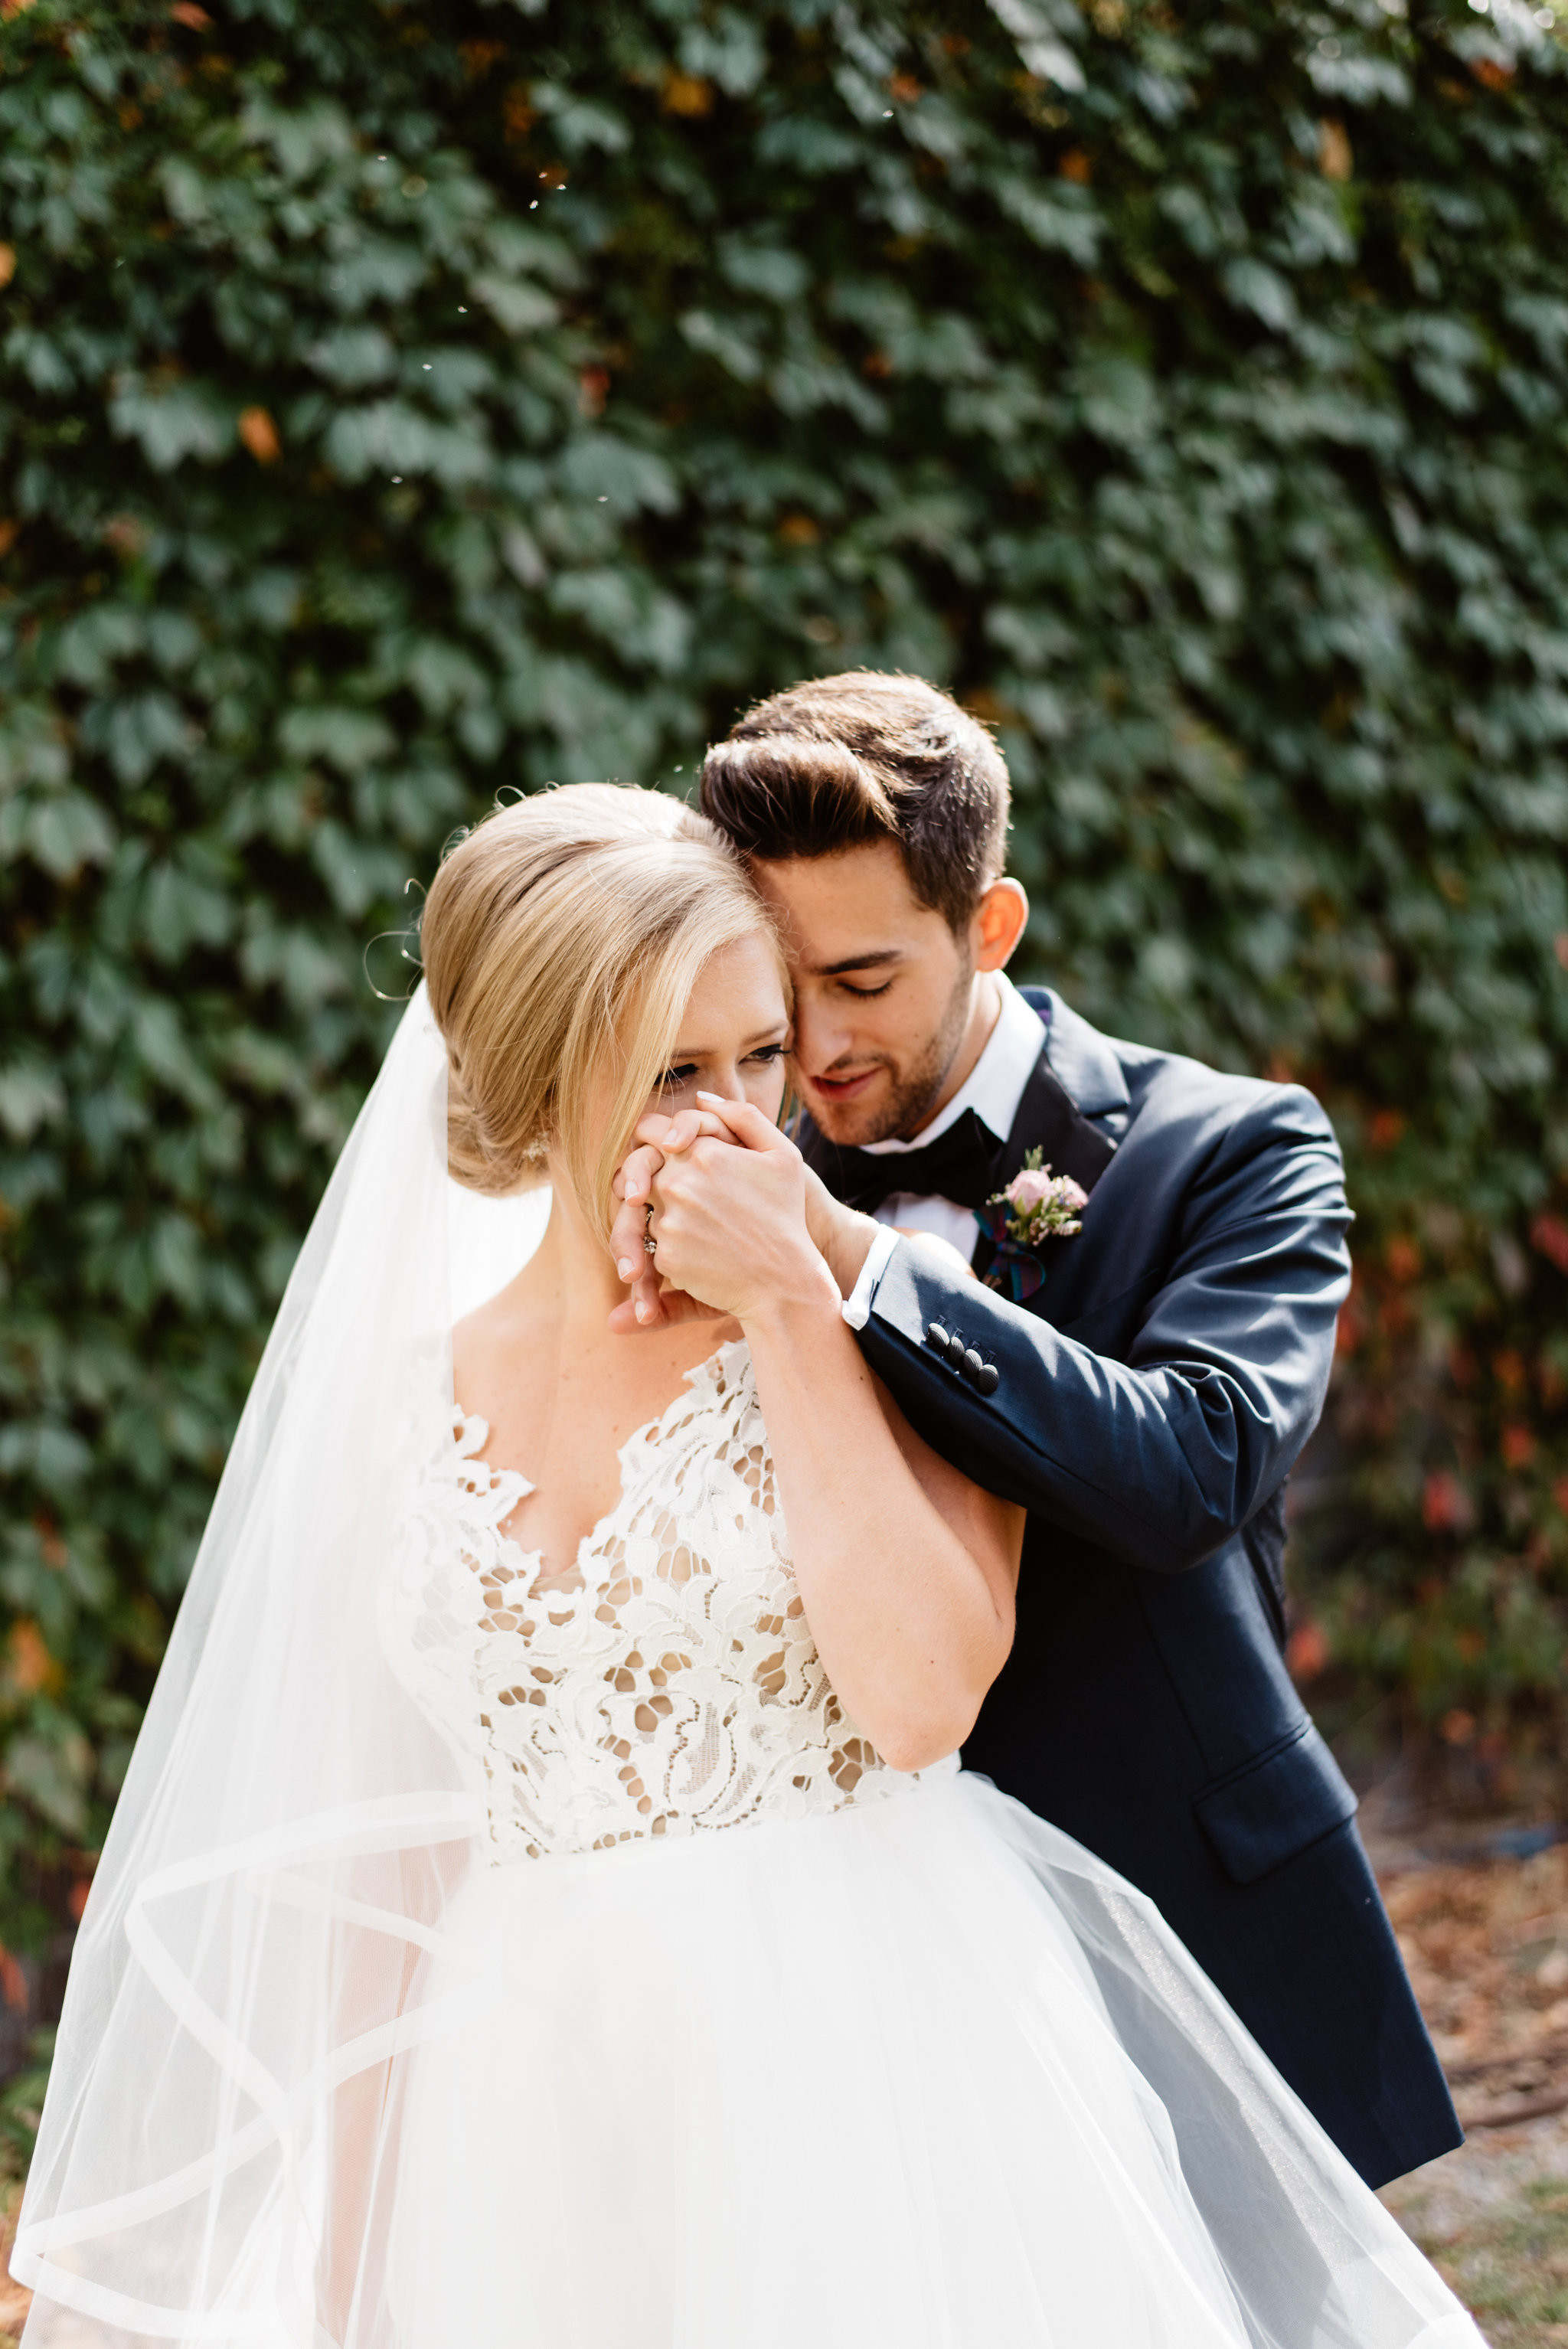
478	1962
767	2047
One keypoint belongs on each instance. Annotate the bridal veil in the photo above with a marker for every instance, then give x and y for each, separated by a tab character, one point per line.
292	1828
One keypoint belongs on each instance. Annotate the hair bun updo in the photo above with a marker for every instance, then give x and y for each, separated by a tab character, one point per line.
562	936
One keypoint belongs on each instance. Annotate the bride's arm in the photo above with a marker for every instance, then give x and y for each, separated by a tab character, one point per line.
907	1569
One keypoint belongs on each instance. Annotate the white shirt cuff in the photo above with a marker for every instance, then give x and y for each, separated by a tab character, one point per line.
856	1308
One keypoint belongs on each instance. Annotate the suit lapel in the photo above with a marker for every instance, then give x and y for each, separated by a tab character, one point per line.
1049	1120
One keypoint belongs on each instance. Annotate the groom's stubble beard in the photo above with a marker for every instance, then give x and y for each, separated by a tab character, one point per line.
898	1113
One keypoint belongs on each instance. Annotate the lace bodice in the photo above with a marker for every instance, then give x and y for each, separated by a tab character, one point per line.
670	1684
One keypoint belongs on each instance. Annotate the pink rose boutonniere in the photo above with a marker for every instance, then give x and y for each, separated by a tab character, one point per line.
1036	1206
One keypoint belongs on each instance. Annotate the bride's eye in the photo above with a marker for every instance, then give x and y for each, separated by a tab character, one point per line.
766	1054
673	1079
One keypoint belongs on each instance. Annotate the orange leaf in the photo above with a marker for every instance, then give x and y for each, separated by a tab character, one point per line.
260	435
32	1666
1335	160
685	93
1306	1652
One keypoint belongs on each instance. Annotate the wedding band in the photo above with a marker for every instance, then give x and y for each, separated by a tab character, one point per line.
650	1245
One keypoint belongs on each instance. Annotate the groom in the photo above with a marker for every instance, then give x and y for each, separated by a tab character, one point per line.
1142	1385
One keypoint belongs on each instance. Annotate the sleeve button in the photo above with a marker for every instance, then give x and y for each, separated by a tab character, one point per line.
987	1378
974	1364
936	1335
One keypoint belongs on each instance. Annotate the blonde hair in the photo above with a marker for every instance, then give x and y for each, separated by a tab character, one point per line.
561	938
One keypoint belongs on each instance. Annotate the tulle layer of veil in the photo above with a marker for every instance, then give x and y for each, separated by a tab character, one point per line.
254	1952
300	1987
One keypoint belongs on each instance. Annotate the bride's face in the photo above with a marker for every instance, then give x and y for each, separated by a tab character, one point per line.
734	1033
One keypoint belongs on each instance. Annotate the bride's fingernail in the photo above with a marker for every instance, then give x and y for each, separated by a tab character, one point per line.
702	1096
623	1267
645	1312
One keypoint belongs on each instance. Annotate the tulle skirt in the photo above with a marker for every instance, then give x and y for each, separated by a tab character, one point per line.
921	2073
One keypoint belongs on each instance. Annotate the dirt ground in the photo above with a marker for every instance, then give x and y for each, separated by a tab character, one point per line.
1486	1941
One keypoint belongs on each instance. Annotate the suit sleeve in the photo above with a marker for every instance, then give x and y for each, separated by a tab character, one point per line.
1162	1450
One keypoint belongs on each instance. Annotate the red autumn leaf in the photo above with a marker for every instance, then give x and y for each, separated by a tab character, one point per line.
1404	1258
1550	1235
13	1982
1307	1651
1444	1502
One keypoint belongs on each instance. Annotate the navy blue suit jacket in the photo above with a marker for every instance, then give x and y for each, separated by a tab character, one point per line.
1149	1403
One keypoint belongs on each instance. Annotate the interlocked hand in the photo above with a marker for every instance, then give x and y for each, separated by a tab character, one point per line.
727	1193
653	1302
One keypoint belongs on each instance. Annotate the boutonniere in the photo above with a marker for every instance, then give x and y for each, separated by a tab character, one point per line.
1036	1206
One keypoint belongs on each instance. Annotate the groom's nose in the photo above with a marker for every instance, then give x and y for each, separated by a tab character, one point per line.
823	1035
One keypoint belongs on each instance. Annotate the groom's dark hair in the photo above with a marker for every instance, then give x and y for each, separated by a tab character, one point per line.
841	761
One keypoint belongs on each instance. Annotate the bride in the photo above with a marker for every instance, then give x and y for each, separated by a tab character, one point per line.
545	1911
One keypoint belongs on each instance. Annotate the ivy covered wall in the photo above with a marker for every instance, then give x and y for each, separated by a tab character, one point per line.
397	403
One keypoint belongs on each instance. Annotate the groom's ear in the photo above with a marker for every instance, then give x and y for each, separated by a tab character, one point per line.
997	924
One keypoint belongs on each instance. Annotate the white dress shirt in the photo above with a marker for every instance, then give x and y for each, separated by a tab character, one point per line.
993	1089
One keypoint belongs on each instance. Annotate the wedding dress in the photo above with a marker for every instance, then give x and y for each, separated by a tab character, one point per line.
779	2047
488	1961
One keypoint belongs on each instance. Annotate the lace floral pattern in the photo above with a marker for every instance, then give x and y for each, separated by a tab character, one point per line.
669	1683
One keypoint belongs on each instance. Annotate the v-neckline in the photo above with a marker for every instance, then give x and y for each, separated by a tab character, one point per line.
572	1582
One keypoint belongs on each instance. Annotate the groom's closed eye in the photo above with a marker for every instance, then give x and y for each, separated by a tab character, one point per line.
853	976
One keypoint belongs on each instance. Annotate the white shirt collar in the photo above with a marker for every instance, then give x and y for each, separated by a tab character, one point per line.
995	1085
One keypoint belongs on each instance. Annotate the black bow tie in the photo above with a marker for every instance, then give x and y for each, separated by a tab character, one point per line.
960	1166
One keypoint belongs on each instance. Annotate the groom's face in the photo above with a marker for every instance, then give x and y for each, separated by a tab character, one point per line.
883	990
